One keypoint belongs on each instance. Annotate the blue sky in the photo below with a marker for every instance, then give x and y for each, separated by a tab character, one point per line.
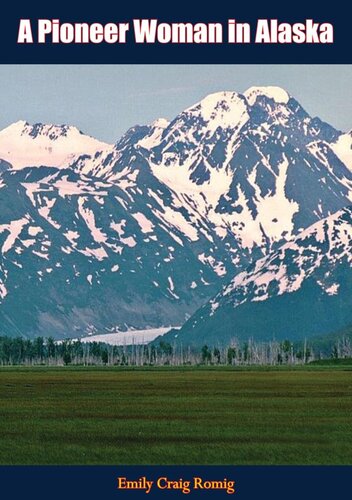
105	100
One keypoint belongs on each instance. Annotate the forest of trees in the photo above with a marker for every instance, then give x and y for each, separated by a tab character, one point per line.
40	351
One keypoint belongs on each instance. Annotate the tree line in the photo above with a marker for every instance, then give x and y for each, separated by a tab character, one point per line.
47	351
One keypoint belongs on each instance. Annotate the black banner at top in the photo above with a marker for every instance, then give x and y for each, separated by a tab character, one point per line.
237	33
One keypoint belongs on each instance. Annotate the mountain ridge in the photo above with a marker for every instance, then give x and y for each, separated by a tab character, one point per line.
300	290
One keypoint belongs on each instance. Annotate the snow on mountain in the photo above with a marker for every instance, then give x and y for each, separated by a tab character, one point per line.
155	131
300	290
278	94
343	149
22	144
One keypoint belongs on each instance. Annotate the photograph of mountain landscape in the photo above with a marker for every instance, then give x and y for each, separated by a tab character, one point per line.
179	292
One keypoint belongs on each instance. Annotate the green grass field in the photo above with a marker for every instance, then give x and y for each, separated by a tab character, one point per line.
175	416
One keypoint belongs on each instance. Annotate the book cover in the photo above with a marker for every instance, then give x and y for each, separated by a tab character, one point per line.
175	252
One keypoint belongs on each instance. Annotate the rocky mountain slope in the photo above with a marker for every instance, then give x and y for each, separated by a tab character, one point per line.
301	290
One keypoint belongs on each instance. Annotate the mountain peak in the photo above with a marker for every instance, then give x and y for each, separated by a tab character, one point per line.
23	127
224	109
278	94
211	101
23	144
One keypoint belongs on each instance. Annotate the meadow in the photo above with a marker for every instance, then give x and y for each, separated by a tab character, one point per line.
209	415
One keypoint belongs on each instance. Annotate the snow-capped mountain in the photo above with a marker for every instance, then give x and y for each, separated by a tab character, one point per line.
23	145
142	233
301	290
257	166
